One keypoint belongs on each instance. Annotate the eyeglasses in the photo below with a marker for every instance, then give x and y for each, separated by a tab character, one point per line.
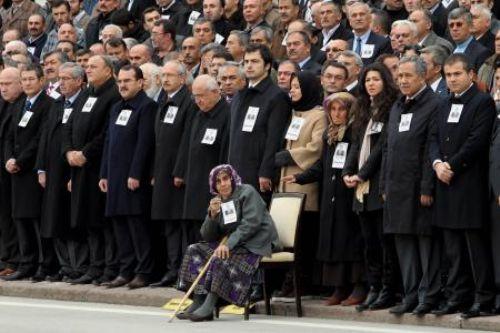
333	49
455	24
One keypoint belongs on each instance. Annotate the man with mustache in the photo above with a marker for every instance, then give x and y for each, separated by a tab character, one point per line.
36	39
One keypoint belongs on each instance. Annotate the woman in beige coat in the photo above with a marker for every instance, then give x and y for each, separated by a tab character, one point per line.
304	145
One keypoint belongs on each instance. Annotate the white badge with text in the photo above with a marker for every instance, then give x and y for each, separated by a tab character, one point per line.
367	50
455	113
193	17
446	3
210	136
54	94
25	119
89	104
170	114
31	49
250	119
340	155
404	124
219	38
293	131
66	114
377	127
229	212
123	117
165	17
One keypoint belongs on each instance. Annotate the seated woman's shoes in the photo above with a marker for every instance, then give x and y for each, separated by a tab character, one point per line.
183	315
196	318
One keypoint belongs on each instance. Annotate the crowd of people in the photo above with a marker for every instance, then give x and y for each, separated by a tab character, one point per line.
384	113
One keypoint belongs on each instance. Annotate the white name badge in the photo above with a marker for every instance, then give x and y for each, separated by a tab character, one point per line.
170	114
340	155
404	124
377	127
54	94
31	50
219	38
367	50
66	114
446	3
210	136
165	17
123	117
293	131
283	42
455	113
89	104
193	17
250	119
229	212
25	119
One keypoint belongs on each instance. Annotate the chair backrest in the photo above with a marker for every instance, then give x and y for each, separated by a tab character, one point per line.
285	211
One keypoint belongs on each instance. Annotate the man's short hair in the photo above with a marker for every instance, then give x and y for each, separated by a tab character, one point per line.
459	58
460	12
242	36
59	3
61	56
77	71
35	68
240	72
223	54
352	54
419	63
268	33
168	28
122	17
264	52
115	42
303	35
438	54
382	19
138	75
335	64
212	47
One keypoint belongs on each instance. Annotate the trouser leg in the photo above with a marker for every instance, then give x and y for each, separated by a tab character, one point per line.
372	251
173	237
407	248
124	246
28	244
112	264
96	251
141	240
62	251
430	257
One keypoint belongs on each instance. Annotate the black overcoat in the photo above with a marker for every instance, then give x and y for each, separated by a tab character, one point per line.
464	145
406	168
168	200
128	153
55	219
197	159
252	153
22	145
339	231
86	131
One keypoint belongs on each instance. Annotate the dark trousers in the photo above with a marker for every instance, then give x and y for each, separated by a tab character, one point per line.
133	241
469	256
65	256
49	263
419	260
30	247
9	248
173	241
380	254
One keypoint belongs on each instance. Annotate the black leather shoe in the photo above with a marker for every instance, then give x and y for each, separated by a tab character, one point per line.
184	315
167	281
138	282
38	277
54	277
369	300
477	310
18	275
448	309
84	279
196	318
423	309
120	281
403	308
384	301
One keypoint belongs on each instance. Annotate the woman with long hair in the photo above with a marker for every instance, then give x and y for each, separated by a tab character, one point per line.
377	94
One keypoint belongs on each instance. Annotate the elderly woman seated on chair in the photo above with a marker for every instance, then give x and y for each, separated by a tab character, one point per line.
236	211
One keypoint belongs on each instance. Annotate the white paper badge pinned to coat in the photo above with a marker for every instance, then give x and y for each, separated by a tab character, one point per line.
455	113
89	104
229	212
340	155
123	117
294	129
66	114
170	114
250	119
210	136
367	50
193	17
404	124
25	119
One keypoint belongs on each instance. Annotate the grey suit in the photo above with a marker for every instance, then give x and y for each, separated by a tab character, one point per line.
433	39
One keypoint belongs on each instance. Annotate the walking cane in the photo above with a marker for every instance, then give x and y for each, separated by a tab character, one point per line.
195	282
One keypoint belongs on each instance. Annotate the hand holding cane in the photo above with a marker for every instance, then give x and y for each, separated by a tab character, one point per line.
195	282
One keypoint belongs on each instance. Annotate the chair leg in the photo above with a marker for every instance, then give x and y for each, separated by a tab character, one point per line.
246	314
297	290
267	300
217	310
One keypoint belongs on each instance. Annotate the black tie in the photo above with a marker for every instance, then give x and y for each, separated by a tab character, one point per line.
27	106
67	104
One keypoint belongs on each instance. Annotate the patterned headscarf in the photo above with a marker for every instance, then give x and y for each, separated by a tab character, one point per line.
227	168
334	132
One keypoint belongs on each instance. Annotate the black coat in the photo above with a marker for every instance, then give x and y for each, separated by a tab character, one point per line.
312	66
370	170
464	145
128	153
495	159
169	137
56	202
341	33
339	230
406	168
22	145
477	54
138	7
488	41
37	45
439	20
95	26
197	159
381	45
252	153
86	131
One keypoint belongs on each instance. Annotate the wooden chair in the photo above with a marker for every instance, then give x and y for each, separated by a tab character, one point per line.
286	209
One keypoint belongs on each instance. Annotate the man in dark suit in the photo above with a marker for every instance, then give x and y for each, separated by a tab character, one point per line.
137	7
37	37
481	21
425	35
459	155
97	23
298	48
407	209
495	205
434	57
367	44
125	177
331	24
460	25
20	152
439	15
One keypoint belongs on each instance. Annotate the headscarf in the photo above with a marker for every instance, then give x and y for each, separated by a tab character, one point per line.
227	168
334	132
311	90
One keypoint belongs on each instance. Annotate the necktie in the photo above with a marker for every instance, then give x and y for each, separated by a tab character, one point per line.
67	104
358	46
27	106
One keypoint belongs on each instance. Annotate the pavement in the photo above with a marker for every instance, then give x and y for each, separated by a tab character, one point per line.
156	297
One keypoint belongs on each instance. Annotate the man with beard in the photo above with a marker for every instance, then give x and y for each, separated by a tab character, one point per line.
152	81
51	63
36	35
82	146
191	55
54	174
231	79
20	152
125	174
